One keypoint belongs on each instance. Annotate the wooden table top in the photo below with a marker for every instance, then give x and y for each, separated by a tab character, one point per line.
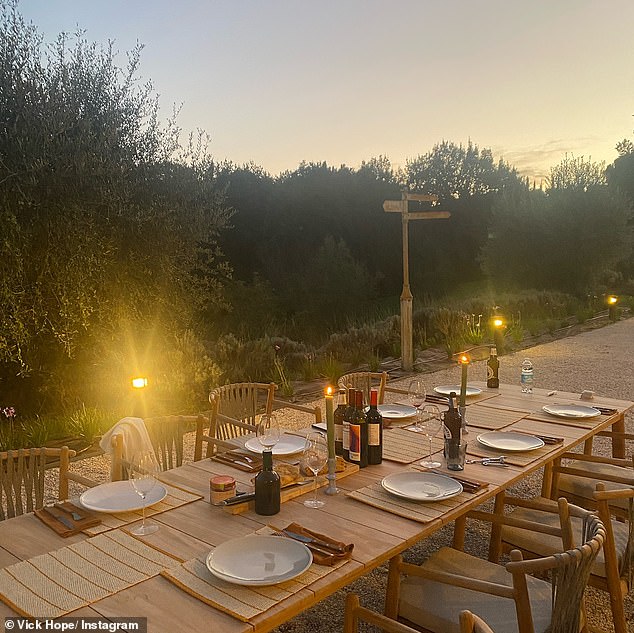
191	530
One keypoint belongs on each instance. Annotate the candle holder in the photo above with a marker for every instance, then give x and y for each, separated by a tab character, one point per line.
332	477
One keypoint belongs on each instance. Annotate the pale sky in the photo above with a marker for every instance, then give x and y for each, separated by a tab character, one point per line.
280	81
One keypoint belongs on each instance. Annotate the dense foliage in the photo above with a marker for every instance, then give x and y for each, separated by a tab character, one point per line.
122	251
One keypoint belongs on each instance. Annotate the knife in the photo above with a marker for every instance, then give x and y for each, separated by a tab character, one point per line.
60	517
315	541
241	497
236	463
76	516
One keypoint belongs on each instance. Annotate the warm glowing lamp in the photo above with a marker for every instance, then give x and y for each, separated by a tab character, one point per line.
139	382
612	300
498	322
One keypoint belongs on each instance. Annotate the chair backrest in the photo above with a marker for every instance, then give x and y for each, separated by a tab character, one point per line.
241	402
570	571
365	380
166	434
22	478
471	623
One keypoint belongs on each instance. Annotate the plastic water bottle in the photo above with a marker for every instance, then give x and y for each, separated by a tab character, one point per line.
526	379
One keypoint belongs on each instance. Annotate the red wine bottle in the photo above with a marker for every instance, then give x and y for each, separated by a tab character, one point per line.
493	366
267	487
374	421
338	415
359	434
348	416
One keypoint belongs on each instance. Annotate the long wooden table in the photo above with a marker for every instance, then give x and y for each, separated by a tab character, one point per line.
191	530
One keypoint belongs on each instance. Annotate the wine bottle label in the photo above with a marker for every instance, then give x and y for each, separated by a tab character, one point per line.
338	432
346	436
355	442
374	434
490	372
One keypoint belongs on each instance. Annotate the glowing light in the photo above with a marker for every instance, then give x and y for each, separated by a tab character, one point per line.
612	300
498	322
464	359
139	382
329	391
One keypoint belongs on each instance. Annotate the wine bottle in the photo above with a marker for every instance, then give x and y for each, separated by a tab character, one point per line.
348	415
375	430
453	421
267	487
493	366
338	415
359	434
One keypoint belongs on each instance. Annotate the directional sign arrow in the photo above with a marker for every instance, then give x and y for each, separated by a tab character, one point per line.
396	206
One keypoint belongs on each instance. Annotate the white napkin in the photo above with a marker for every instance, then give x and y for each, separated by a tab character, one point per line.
135	438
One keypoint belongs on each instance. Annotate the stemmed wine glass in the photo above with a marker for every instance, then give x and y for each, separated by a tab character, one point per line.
314	458
145	470
416	393
268	431
429	422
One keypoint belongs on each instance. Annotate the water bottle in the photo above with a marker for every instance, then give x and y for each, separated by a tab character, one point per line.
526	379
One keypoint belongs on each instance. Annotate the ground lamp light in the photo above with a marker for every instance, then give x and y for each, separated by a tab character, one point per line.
612	301
139	384
498	325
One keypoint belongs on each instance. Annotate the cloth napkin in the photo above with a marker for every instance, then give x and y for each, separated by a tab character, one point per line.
318	556
88	519
135	437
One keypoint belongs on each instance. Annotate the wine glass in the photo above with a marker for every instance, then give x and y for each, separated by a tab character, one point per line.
314	458
268	431
429	422
143	476
416	393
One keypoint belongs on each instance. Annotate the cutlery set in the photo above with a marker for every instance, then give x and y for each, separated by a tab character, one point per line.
316	544
489	461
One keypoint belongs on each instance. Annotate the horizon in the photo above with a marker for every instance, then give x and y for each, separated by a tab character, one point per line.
341	83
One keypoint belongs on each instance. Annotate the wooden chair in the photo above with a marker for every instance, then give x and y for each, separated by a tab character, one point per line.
365	380
471	623
22	478
611	571
505	596
575	475
234	412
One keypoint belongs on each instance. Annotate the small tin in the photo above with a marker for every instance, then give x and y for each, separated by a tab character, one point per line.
221	487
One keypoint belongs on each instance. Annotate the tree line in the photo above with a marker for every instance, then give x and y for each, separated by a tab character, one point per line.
124	249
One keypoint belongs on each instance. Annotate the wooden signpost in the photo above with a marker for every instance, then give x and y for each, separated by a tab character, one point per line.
401	206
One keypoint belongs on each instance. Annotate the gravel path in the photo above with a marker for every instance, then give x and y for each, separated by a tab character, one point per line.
599	360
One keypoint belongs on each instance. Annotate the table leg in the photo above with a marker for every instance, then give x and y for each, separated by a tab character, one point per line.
459	528
618	443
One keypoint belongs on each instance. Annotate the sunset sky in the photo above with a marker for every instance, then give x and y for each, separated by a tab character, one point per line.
280	81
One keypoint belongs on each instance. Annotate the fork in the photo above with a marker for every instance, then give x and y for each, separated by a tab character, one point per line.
488	461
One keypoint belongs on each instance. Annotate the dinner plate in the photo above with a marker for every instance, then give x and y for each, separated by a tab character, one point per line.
571	410
287	445
421	486
445	390
259	559
510	441
396	411
119	496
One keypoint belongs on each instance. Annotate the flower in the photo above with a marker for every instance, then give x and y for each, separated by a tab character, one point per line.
9	413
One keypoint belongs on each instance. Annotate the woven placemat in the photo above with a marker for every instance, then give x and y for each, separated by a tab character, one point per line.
490	418
404	446
583	423
240	601
423	512
175	497
53	584
516	458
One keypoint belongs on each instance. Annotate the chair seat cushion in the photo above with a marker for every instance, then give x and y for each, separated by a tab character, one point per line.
540	544
585	487
435	606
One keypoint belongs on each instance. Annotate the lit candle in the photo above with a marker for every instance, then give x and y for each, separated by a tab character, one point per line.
464	362
330	423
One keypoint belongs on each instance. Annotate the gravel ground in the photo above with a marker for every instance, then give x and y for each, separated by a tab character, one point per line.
599	360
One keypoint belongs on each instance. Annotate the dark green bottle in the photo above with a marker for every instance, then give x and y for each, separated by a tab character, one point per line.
267	487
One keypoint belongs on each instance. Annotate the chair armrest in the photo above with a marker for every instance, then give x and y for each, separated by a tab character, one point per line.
80	479
283	404
599	459
465	582
576	472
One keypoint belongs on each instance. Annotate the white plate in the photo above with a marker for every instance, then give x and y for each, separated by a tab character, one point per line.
119	496
287	445
445	390
421	486
510	441
571	410
396	411
259	559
